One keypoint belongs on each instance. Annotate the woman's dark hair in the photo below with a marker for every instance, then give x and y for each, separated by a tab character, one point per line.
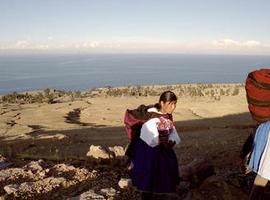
167	96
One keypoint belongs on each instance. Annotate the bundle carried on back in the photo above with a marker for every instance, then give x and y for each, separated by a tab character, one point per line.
258	95
134	120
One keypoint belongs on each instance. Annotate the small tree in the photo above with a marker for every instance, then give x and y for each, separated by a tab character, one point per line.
222	93
235	91
47	92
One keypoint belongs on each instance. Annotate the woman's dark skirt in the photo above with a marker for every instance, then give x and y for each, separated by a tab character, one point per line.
154	169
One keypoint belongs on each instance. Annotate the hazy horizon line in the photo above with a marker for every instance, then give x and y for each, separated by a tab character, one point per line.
125	53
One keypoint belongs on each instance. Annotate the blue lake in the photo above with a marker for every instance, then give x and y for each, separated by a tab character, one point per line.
82	72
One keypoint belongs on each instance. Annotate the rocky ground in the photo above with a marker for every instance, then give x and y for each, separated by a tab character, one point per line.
105	175
104	179
24	179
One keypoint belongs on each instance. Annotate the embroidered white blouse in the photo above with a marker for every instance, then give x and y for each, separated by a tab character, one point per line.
150	134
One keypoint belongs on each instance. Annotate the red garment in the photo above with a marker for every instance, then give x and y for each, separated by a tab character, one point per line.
258	95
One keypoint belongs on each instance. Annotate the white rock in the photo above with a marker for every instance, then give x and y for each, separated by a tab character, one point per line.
97	152
108	191
124	182
34	166
15	174
118	151
11	188
56	136
2	158
89	195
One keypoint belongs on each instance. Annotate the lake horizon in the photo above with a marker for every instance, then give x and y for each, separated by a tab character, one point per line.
81	72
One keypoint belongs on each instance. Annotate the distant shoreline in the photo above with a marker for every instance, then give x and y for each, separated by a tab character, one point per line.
194	90
118	87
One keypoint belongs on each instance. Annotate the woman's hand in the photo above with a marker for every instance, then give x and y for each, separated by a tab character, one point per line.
171	143
168	144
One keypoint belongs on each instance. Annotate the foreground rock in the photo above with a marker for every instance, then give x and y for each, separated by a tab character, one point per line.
124	183
106	193
36	189
109	192
15	175
97	152
117	151
4	163
35	181
42	180
111	156
196	171
88	195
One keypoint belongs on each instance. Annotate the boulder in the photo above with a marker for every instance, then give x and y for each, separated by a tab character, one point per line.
125	183
9	189
4	163
56	136
117	151
34	189
15	175
34	166
110	192
196	171
88	195
98	152
109	156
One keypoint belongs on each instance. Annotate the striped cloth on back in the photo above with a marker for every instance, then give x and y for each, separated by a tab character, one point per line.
258	95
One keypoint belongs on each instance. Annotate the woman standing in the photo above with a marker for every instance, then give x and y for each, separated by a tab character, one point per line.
155	166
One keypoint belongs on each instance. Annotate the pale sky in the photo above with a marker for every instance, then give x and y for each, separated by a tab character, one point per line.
129	26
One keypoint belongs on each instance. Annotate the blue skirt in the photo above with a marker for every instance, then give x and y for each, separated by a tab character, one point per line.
154	169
